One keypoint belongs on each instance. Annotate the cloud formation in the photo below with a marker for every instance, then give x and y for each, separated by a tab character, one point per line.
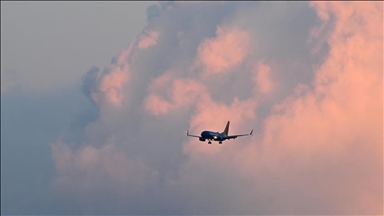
317	145
181	92
226	50
148	39
263	78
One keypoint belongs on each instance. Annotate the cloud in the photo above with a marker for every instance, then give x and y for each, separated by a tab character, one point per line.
180	93
89	81
112	84
153	11
224	51
148	39
91	166
317	144
109	84
263	78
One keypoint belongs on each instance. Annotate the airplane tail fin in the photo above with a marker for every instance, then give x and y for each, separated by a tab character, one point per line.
226	130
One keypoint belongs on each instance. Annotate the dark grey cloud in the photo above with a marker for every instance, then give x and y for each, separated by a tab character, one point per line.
153	11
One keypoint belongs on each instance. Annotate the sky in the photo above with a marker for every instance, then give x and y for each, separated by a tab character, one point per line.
97	97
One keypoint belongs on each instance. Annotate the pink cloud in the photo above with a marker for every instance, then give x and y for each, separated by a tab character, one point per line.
262	78
322	142
112	84
187	91
156	105
180	93
226	50
148	39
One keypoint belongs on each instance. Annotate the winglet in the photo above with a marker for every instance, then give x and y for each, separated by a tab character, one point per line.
251	132
187	132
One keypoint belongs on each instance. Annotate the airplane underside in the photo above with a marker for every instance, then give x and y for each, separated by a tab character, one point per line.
209	140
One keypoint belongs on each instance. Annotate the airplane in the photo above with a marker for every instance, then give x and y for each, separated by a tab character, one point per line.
216	136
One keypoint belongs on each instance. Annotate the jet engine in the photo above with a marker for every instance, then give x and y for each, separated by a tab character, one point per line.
201	139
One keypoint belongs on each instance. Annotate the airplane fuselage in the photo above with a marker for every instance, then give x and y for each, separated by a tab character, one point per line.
209	135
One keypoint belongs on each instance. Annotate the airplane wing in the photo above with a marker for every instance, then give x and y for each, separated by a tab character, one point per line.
192	135
235	136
